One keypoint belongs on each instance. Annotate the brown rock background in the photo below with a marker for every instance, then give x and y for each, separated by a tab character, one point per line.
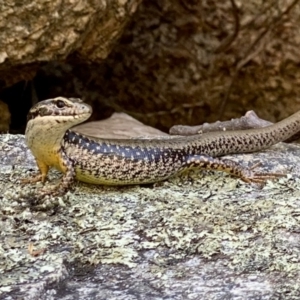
176	62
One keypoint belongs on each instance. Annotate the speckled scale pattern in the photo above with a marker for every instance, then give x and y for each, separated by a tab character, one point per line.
133	161
109	162
143	161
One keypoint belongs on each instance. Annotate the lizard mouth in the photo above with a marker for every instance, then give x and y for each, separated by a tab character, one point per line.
60	108
47	112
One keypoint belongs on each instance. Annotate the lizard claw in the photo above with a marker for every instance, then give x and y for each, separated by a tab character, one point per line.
249	176
32	179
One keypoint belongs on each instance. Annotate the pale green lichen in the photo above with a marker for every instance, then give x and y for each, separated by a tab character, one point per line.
208	215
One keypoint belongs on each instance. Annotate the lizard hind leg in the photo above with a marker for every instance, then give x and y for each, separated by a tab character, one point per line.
233	168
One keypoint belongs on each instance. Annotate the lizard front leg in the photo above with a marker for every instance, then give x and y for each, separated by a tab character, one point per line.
68	178
43	168
231	167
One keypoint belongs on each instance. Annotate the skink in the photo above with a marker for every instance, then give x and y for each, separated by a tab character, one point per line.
53	143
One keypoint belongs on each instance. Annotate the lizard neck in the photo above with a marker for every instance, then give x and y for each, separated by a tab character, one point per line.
43	136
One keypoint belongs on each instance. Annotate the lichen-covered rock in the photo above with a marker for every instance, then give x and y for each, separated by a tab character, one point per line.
206	236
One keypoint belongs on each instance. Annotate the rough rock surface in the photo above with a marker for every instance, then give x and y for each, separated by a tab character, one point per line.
183	62
4	117
177	61
205	236
38	31
186	62
118	126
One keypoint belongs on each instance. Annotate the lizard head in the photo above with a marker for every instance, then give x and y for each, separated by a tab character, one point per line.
70	111
47	124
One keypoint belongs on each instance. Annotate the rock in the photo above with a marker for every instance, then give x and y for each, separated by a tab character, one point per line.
189	62
4	117
205	236
35	32
118	126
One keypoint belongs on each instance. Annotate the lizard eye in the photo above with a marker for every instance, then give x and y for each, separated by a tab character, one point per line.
60	104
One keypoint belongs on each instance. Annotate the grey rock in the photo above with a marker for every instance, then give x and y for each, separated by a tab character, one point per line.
202	236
